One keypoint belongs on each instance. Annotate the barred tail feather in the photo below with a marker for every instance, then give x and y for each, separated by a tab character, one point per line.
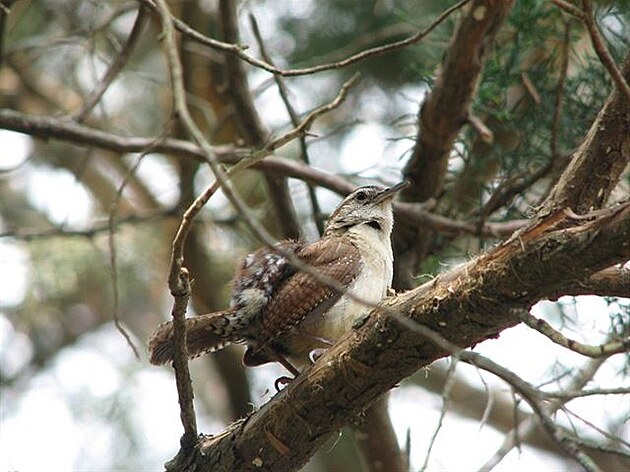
204	333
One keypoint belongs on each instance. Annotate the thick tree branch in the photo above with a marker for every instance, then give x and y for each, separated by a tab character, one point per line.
446	108
467	305
610	282
441	118
597	165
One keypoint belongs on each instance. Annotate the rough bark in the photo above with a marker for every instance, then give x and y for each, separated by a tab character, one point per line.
600	160
466	305
441	118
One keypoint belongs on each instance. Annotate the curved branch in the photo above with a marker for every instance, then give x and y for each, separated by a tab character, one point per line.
239	50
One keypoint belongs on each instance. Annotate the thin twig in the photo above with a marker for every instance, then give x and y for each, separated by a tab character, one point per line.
113	208
446	397
602	52
602	350
284	95
605	448
250	126
239	50
529	424
611	437
59	232
179	279
571	394
115	67
531	396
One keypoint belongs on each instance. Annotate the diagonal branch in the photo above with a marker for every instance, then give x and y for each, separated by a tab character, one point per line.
250	125
467	305
598	44
603	350
600	160
446	108
441	118
114	68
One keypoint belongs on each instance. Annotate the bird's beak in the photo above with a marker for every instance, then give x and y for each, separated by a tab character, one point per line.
390	192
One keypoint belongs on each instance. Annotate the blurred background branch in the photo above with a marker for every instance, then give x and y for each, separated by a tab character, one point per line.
84	92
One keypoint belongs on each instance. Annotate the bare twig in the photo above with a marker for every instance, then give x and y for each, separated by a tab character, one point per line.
532	397
250	126
284	95
59	232
525	427
114	68
571	394
446	396
179	279
603	350
113	209
239	50
602	52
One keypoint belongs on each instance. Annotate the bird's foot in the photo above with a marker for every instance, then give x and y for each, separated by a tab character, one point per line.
316	354
281	381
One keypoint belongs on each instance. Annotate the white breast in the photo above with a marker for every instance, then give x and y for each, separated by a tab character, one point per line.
375	277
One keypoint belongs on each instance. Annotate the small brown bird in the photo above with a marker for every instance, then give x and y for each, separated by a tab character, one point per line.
285	315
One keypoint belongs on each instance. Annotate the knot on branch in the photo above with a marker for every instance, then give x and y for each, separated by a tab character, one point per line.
181	287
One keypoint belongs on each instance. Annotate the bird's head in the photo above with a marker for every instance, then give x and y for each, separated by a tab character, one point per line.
370	206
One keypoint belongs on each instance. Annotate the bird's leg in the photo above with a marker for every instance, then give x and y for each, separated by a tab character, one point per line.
319	351
283	380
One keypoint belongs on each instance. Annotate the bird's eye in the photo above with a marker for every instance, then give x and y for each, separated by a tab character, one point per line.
361	196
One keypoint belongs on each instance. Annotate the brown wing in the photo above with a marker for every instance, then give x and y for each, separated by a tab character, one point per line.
301	295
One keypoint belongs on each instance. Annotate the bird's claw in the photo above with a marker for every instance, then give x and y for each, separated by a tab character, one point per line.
280	381
316	354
